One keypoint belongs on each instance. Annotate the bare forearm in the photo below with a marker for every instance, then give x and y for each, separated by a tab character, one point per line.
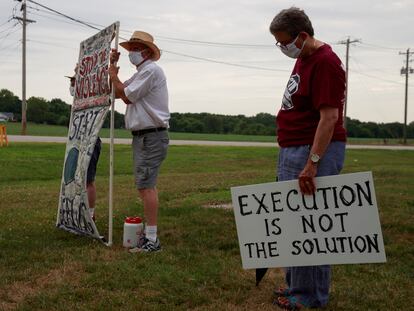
118	86
323	134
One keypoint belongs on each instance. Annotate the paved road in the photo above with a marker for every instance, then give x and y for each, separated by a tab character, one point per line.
127	141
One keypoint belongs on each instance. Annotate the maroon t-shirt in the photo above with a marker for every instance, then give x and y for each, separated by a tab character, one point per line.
316	81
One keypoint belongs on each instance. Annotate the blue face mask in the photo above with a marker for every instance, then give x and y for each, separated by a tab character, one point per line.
135	57
291	50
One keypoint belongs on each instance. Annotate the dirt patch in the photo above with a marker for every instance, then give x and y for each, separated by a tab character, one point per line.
228	206
15	293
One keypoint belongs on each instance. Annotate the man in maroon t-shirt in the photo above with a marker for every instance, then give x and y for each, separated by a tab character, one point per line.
310	134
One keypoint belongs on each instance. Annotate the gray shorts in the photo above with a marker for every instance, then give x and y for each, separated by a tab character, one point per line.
149	150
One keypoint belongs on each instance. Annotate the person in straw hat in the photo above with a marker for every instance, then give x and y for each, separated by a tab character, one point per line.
146	116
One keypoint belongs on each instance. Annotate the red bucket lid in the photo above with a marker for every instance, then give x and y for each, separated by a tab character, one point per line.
133	220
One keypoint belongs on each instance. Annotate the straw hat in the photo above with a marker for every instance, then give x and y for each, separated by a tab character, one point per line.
144	38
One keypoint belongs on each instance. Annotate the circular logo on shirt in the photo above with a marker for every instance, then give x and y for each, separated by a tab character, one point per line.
291	88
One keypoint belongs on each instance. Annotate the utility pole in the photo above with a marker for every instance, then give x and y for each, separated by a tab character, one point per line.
347	42
24	21
407	70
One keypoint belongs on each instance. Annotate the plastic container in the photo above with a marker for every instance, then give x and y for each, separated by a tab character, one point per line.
133	228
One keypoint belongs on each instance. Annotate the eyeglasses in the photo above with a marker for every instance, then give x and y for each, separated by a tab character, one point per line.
285	45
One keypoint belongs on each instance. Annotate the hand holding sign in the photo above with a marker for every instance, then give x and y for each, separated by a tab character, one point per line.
113	69
114	56
307	179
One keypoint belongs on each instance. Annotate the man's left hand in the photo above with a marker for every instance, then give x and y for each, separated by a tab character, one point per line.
307	179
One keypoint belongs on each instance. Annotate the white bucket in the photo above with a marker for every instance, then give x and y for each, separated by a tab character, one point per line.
133	228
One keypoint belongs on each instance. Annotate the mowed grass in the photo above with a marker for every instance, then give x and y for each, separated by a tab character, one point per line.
14	128
43	268
34	129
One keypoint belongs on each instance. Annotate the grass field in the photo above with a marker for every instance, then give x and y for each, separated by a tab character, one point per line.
53	130
42	268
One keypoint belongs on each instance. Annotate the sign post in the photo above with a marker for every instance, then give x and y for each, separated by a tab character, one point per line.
111	156
278	226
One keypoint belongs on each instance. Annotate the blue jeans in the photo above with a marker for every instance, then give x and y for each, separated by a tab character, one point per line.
311	283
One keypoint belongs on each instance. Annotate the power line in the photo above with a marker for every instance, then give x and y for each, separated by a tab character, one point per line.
64	15
51	44
11	17
353	58
379	46
181	40
375	77
95	26
11	27
11	31
54	19
225	63
222	44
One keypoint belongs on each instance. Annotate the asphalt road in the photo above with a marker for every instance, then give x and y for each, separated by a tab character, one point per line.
127	141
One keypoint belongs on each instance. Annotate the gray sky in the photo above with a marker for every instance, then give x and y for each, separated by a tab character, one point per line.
376	88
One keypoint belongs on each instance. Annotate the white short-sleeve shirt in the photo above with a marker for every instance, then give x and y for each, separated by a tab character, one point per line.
147	91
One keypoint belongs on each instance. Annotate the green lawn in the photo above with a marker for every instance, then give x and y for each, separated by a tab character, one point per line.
53	130
42	268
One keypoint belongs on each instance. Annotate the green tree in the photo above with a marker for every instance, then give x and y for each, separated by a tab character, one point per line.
37	109
10	103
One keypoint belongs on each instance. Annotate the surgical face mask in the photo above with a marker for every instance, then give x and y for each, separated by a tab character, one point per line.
291	50
72	90
135	57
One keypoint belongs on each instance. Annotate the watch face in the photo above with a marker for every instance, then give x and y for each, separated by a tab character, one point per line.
315	158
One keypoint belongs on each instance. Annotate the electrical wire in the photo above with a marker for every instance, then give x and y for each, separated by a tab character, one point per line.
11	27
54	19
9	33
52	44
10	18
224	63
64	15
379	47
188	41
198	42
375	77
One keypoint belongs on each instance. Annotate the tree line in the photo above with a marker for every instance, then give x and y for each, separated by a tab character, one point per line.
57	112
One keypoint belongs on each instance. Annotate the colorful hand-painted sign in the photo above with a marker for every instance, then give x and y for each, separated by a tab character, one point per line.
91	104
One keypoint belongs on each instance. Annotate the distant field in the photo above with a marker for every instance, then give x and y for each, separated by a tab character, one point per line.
53	130
42	268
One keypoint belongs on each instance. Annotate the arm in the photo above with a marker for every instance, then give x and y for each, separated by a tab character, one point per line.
117	84
328	118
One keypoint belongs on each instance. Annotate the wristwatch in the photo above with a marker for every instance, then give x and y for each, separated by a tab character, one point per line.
315	158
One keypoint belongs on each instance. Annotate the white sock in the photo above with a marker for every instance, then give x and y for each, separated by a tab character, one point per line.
91	212
151	233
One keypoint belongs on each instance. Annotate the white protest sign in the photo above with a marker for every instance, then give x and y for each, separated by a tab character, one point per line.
90	106
278	226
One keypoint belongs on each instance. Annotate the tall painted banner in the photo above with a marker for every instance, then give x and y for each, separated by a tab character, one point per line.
278	226
91	104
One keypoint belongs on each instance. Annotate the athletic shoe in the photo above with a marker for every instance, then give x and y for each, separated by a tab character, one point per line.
148	246
141	240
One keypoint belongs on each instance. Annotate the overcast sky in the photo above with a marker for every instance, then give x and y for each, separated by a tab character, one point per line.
376	87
